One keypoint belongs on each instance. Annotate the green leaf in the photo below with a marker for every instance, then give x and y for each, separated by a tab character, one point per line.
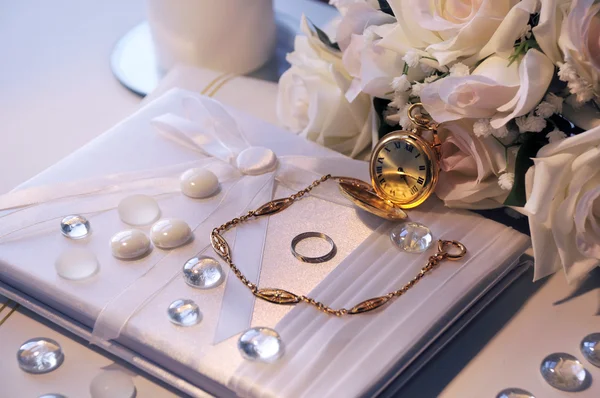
532	142
324	38
385	7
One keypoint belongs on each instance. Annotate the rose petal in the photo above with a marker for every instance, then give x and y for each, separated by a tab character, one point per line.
497	69
587	242
453	98
468	179
352	54
536	72
551	180
508	31
409	30
547	30
575	144
469	38
378	68
545	252
358	17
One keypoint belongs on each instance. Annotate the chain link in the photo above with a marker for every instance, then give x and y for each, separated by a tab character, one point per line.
280	296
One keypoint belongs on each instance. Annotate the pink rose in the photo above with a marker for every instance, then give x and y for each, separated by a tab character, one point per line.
494	90
470	168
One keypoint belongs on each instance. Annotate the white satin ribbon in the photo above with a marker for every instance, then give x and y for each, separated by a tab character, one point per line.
209	129
116	313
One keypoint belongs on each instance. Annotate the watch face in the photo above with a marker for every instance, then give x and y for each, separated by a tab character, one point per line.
402	169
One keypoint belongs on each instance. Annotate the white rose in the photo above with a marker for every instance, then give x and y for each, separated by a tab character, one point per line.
311	100
448	30
372	67
580	41
470	167
563	191
494	90
358	17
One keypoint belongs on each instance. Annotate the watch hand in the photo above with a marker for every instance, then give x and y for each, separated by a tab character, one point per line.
404	175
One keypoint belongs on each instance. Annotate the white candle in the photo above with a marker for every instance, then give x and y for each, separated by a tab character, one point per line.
236	36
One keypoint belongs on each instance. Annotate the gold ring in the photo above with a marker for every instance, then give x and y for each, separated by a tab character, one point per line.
313	260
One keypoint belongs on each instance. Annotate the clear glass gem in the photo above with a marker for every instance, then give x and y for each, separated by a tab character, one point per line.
260	344
40	355
564	372
184	312
130	244
52	395
590	348
170	233
75	227
203	272
138	210
76	263
514	393
412	237
112	384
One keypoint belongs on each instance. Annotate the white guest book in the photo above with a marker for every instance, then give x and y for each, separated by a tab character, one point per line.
125	302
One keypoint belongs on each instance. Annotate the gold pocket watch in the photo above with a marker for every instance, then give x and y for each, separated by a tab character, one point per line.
404	170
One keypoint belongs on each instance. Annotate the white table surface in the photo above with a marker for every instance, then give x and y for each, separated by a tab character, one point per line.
73	377
55	78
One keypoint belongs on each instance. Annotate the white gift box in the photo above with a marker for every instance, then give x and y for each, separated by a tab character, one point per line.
325	356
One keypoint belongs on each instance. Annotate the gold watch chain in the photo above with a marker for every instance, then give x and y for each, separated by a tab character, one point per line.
281	296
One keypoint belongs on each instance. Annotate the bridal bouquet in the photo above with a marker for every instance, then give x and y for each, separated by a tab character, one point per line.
514	85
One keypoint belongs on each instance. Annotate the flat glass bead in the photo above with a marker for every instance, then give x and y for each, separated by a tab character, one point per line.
129	244
564	372
40	355
76	263
412	237
256	160
199	183
203	272
514	393
170	233
52	395
590	348
260	344
138	210
75	227
112	384
184	312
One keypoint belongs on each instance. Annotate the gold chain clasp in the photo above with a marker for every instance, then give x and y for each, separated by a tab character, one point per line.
418	119
445	249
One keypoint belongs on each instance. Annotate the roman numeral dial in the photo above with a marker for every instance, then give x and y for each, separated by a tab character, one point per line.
401	170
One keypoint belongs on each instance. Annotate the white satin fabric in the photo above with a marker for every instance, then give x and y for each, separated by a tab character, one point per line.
368	264
249	172
327	356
